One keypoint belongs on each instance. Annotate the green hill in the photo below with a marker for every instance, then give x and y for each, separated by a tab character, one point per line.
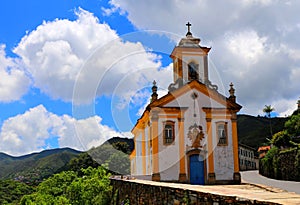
254	131
35	167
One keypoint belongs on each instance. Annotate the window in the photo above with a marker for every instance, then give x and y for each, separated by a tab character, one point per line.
193	71
222	133
169	132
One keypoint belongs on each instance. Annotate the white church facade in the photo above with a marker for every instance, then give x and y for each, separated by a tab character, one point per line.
190	134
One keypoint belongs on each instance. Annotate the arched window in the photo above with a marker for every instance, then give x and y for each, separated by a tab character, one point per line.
222	133
193	71
169	134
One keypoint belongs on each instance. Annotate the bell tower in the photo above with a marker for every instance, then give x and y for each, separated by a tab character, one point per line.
190	60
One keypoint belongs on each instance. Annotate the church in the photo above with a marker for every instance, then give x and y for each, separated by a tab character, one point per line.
188	135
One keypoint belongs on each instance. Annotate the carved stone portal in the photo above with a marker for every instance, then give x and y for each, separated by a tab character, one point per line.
196	134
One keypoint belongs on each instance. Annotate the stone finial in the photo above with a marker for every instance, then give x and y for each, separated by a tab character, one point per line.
154	92
231	91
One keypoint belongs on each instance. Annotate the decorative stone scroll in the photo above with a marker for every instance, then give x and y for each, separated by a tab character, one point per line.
195	134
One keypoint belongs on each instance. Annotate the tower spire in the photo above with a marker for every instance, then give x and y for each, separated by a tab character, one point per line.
231	91
154	92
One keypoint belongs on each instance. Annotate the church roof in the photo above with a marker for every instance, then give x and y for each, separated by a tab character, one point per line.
212	93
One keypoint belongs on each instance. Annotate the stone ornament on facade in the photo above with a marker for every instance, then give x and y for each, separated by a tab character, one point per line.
195	135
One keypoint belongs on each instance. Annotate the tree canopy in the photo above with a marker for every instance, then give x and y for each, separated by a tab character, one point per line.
268	109
292	126
68	188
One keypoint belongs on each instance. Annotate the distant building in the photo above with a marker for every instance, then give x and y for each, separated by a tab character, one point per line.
262	151
247	158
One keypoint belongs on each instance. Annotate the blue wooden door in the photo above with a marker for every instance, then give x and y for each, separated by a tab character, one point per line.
196	169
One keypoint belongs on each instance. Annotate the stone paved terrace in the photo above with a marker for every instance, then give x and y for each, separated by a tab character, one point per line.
253	192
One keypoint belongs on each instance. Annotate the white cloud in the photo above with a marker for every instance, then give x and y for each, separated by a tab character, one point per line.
85	58
255	44
262	73
246	46
31	131
55	51
13	83
282	104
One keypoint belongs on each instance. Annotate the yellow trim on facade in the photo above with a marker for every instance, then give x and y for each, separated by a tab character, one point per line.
211	167
182	157
155	166
149	144
235	143
132	155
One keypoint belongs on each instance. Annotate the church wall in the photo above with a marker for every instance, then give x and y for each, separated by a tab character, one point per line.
138	149
147	157
169	154
223	155
132	166
189	120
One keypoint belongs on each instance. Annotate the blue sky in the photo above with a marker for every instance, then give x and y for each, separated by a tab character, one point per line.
75	73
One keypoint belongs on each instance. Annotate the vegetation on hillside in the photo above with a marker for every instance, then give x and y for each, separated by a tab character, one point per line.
72	174
67	187
114	157
33	168
11	191
283	160
255	131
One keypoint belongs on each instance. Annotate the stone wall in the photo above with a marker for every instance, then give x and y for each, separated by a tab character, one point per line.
130	192
283	165
288	166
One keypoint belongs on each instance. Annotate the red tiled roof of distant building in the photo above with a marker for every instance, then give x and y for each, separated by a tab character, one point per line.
264	148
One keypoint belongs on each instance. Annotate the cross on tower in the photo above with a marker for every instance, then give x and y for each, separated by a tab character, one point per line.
189	29
188	25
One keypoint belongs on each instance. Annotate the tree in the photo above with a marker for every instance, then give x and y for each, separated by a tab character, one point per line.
293	125
268	110
12	191
68	188
83	161
122	146
281	139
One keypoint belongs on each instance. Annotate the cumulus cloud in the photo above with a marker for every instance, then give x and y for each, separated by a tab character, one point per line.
14	83
36	128
255	44
69	60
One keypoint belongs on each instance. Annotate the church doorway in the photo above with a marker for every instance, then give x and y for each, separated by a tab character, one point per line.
196	169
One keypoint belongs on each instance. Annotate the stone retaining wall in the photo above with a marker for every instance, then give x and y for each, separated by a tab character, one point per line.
130	192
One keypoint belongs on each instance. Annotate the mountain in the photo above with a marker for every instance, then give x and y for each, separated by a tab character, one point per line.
128	141
35	167
255	131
